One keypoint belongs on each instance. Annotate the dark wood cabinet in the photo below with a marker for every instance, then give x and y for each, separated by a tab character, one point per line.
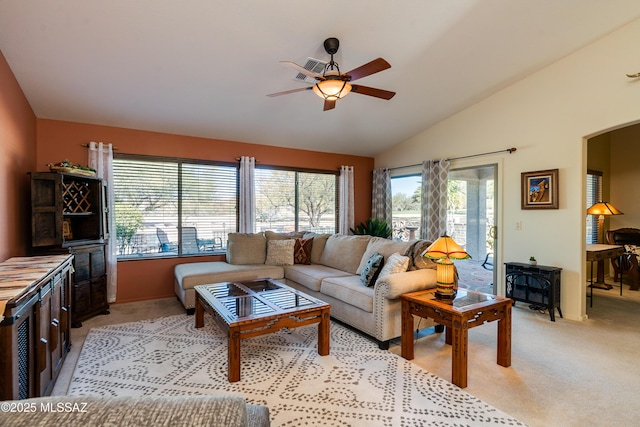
538	285
69	215
90	282
35	334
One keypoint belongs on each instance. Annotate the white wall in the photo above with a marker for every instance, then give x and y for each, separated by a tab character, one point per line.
625	177
547	116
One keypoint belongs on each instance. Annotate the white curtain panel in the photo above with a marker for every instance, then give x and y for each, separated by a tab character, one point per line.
247	195
101	159
381	195
434	199
346	200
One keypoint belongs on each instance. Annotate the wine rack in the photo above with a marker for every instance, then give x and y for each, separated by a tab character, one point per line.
75	197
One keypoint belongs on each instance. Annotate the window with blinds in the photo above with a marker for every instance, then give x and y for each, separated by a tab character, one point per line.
172	207
296	200
594	195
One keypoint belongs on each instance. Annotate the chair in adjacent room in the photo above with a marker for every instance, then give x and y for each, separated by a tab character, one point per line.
630	239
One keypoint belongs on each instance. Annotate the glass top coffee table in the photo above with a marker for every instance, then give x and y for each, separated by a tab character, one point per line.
258	307
468	310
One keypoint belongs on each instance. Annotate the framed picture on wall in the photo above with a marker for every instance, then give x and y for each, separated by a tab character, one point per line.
540	189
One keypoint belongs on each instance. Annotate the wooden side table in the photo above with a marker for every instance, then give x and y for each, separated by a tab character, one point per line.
468	310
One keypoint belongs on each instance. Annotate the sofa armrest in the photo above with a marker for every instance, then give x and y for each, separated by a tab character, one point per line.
409	281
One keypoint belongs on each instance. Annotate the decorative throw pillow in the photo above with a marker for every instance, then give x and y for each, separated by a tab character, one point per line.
280	252
302	251
372	269
396	263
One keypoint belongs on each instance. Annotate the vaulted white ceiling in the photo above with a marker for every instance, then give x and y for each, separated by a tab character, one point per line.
204	67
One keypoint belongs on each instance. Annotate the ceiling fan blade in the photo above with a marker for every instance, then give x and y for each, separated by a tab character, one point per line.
286	92
369	68
372	91
329	105
301	69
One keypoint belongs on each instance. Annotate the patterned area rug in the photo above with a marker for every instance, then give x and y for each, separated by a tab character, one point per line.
357	384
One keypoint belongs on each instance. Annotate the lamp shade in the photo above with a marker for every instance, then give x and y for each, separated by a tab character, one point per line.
445	247
603	208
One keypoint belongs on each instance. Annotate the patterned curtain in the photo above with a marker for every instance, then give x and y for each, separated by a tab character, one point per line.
101	159
247	195
346	200
381	195
434	199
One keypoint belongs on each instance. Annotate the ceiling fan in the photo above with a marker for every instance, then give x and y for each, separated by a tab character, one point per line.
331	85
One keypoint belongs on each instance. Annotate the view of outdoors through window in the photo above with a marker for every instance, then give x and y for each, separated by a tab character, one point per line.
462	211
406	197
295	201
155	199
172	208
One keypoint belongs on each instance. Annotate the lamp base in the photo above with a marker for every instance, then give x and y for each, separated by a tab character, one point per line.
450	296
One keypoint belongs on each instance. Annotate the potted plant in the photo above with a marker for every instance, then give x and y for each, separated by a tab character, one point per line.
532	260
373	227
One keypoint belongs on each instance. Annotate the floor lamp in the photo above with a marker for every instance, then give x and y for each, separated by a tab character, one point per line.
601	209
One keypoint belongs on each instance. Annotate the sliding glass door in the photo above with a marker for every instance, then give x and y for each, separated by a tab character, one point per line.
471	222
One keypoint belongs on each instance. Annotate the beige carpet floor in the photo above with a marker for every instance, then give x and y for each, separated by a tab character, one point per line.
563	373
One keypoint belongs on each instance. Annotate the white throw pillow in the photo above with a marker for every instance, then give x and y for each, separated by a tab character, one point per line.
280	252
396	263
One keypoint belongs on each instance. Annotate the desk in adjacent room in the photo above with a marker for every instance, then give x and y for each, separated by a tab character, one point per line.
600	253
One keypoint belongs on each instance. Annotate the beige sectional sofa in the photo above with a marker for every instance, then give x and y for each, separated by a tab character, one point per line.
328	267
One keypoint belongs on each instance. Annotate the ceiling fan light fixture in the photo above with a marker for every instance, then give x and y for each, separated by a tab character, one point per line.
332	89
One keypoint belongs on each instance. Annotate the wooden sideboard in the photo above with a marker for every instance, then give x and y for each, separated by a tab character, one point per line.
35	321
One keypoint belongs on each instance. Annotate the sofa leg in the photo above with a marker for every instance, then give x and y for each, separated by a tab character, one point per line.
383	345
439	328
191	311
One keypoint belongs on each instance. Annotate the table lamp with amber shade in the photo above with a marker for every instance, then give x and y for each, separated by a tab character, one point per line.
601	209
444	250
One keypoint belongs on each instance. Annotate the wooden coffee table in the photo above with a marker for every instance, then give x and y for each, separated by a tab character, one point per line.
468	310
249	309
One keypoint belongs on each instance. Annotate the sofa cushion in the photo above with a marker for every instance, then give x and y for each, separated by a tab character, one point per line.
384	247
395	264
302	251
350	290
344	252
201	273
280	252
319	242
246	248
372	269
311	276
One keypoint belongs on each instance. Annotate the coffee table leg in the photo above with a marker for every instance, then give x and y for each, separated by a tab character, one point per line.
234	355
323	333
504	338
460	336
199	313
406	334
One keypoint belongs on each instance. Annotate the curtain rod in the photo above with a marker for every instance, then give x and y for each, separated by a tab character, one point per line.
87	146
508	150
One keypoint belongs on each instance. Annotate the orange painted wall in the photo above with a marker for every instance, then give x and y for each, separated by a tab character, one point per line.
17	157
149	279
